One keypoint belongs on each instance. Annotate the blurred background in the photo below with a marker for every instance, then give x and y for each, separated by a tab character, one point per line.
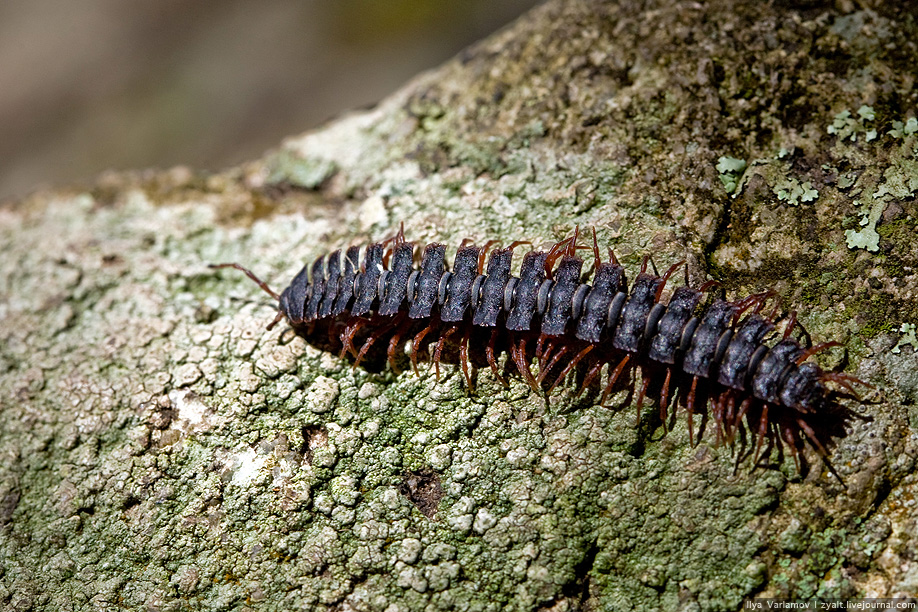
106	84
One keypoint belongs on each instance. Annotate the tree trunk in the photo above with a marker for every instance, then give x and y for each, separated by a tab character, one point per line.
162	451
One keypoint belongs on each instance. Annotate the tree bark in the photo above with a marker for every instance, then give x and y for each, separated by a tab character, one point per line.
161	450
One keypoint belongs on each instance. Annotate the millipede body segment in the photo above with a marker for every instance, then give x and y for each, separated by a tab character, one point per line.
723	361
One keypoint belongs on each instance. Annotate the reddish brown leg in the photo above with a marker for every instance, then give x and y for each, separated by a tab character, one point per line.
492	361
555	253
539	343
518	352
548	360
815	349
664	398
264	286
645	382
551	364
590	377
394	343
791	323
665	278
483	253
812	436
772	316
464	358
819	447
708	285
717	417
347	336
744	407
596	259
765	297
644	264
763	431
690	408
729	415
390	244
743	305
570	367
390	354
439	350
845	380
277	319
416	343
368	344
613	376
791	441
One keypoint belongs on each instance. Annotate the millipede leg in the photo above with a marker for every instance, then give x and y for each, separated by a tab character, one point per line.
613	376
846	381
791	323
390	354
729	414
365	349
347	337
645	382
591	376
583	353
393	345
539	345
264	286
815	349
664	398
439	350
811	435
464	358
483	253
518	352
545	369
415	344
665	278
490	356
277	319
555	253
744	407
597	260
690	408
717	415
763	432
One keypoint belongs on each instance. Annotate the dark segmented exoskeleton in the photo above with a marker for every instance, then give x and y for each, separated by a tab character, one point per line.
718	358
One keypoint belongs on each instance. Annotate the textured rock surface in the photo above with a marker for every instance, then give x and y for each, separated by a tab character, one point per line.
161	451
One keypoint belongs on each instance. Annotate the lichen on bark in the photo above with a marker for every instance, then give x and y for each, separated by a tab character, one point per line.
161	450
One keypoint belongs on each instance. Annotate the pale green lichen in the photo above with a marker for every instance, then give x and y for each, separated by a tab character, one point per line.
845	126
908	338
790	190
867	238
902	129
901	178
731	170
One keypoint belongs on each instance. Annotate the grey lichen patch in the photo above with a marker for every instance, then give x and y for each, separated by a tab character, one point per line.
306	173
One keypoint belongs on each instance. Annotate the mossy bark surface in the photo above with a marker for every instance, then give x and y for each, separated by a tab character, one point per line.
160	450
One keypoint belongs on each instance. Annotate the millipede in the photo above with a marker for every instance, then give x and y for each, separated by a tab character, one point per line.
721	361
